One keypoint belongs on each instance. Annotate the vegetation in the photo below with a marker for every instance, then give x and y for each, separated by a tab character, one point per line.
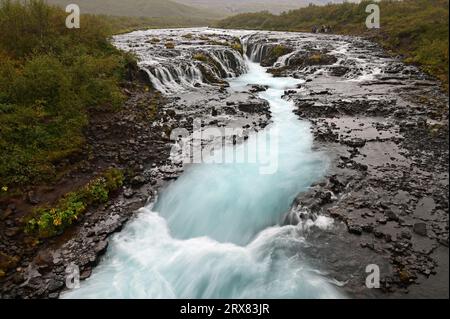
200	57
7	262
51	77
51	221
274	53
169	45
232	7
416	29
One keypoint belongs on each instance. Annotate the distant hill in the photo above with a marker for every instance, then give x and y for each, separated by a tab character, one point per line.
229	7
139	8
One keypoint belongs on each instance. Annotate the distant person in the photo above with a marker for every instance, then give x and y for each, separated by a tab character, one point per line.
314	29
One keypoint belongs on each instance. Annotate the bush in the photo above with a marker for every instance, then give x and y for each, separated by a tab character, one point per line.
51	221
50	78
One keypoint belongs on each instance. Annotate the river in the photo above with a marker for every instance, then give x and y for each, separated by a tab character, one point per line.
217	231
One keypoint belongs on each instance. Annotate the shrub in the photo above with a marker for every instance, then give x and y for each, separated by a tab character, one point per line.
51	221
170	45
50	78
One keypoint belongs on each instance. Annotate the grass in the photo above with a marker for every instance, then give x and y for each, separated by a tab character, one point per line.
415	29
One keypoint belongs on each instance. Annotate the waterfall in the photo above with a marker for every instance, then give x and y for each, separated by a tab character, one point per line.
255	50
168	78
230	61
284	60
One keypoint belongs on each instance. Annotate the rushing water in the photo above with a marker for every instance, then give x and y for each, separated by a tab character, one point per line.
215	232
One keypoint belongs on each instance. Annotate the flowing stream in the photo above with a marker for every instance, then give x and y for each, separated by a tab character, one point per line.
216	231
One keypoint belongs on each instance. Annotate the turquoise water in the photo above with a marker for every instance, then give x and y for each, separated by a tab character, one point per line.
214	233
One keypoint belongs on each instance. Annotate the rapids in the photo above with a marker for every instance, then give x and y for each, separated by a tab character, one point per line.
217	231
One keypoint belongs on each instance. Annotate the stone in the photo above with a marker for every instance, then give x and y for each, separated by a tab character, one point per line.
101	247
420	229
138	180
54	285
391	216
129	193
32	198
43	259
354	229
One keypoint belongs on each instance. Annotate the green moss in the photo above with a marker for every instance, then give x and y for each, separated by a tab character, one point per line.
188	36
200	57
51	221
170	45
152	109
280	50
274	53
7	262
238	47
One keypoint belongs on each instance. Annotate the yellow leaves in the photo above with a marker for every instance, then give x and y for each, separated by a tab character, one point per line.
5	189
57	221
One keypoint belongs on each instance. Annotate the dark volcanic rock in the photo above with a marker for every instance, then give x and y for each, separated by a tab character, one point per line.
254	107
420	229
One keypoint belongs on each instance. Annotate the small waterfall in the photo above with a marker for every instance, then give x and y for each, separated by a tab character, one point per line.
230	61
170	78
255	49
284	60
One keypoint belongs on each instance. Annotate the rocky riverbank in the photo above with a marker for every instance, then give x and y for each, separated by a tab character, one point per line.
385	127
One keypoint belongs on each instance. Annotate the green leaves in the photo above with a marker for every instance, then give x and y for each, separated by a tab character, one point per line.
51	221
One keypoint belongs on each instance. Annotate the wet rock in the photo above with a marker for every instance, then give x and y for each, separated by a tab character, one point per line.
33	198
354	229
368	228
129	193
138	181
406	234
253	107
86	273
255	88
44	259
339	71
101	247
391	216
55	285
420	229
356	142
11	232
